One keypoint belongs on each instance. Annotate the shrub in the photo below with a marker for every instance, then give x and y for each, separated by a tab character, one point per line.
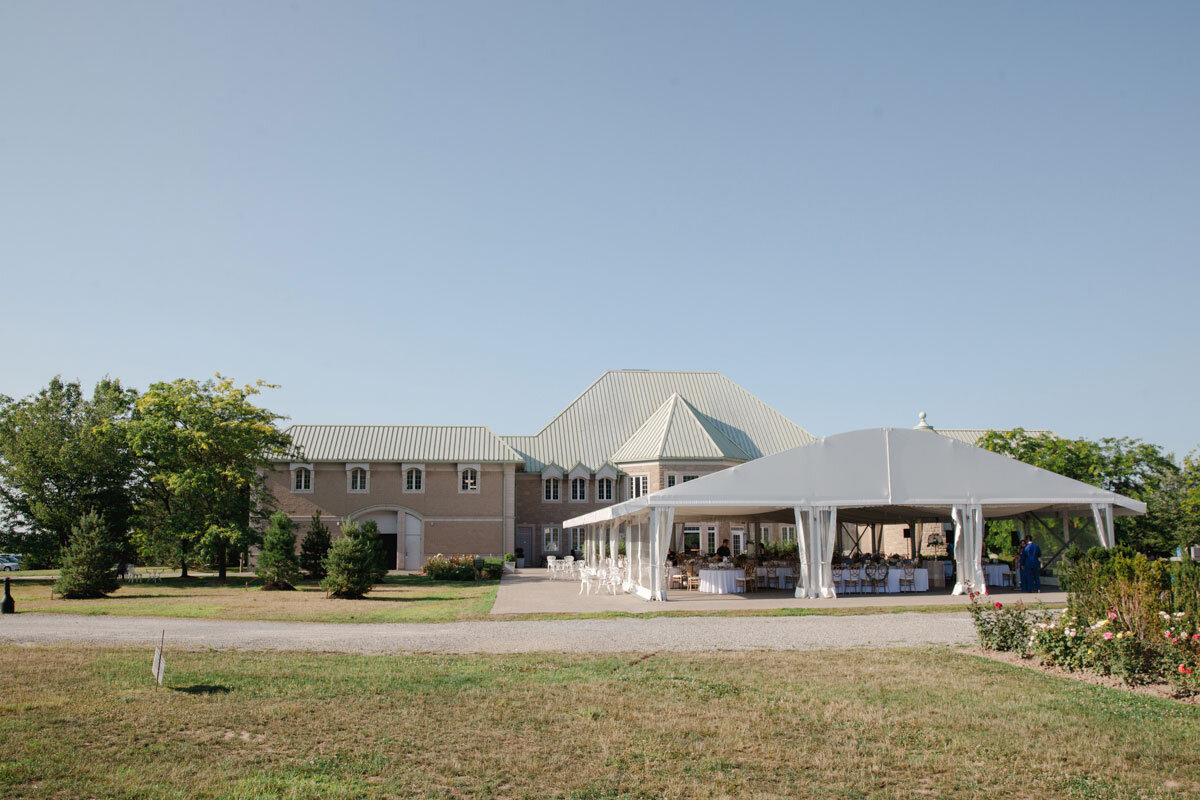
89	561
350	568
314	548
1005	628
369	533
492	570
509	557
451	568
277	563
1123	582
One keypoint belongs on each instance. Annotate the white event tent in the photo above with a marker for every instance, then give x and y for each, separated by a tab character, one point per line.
877	475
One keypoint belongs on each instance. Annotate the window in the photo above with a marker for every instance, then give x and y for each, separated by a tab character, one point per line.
604	489
691	538
670	481
550	490
787	534
737	544
578	489
764	533
638	485
550	539
358	479
302	479
470	480
712	539
577	539
414	479
687	478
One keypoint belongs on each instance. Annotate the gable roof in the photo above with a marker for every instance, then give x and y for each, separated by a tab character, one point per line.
677	431
879	468
452	443
598	422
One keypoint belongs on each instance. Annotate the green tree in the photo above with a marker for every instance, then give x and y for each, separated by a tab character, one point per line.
315	547
1126	466
351	566
369	532
277	563
61	456
89	561
205	445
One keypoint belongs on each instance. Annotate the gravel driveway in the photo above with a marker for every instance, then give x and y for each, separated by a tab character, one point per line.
573	636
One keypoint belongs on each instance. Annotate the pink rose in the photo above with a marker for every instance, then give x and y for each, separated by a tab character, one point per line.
1112	615
1108	635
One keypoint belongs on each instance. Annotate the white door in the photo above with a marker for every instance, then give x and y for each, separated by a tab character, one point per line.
414	543
738	545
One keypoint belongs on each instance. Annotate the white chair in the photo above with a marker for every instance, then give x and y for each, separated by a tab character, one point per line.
552	567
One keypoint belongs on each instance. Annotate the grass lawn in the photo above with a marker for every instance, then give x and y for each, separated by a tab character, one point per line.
401	598
88	722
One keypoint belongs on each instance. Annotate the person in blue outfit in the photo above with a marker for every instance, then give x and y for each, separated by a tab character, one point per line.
1031	565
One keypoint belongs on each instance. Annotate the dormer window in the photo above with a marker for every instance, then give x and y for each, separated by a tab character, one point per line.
302	477
604	488
468	478
357	477
578	489
550	490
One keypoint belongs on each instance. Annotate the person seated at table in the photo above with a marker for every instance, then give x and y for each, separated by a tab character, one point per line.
723	550
672	558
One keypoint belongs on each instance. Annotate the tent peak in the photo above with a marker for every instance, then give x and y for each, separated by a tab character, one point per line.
923	425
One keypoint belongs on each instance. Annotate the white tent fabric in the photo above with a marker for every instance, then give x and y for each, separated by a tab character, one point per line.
877	475
818	528
1103	515
968	549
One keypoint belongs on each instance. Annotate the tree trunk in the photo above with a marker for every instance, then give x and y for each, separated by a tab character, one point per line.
221	559
183	560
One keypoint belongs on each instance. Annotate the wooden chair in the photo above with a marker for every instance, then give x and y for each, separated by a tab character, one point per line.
908	578
748	581
693	577
838	579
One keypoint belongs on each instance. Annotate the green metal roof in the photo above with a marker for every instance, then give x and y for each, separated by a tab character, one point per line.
973	435
596	425
677	431
451	443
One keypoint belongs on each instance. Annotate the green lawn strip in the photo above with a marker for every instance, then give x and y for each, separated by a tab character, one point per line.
82	721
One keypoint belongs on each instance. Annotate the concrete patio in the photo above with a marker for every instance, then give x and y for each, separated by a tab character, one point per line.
530	591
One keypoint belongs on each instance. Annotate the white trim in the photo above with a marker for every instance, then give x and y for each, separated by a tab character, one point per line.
607	471
571	487
350	469
478	478
580	471
312	477
552	471
557	490
612	484
420	468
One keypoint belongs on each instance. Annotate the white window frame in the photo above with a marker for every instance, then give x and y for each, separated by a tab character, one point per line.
577	539
582	495
672	479
420	469
366	470
601	485
787	534
638	485
547	530
312	477
687	478
764	532
552	490
737	541
710	539
462	470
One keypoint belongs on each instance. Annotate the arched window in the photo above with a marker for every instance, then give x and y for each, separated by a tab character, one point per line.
302	479
550	490
358	479
470	480
604	488
413	479
579	488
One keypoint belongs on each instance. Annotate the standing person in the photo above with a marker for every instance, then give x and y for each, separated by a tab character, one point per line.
1031	565
723	550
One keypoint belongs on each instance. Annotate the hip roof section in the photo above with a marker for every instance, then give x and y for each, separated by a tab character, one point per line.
594	427
452	443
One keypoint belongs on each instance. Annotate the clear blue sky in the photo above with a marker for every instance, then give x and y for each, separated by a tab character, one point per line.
465	212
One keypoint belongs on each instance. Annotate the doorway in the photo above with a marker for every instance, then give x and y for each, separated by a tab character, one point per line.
414	543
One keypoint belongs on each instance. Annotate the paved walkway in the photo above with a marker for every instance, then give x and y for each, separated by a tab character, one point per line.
574	636
530	591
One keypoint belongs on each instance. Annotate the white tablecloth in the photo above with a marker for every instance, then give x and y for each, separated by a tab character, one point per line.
720	581
995	573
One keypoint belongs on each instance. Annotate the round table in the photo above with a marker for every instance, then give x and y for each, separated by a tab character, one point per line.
996	572
721	581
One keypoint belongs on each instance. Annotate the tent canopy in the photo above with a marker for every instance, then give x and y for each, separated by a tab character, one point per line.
877	475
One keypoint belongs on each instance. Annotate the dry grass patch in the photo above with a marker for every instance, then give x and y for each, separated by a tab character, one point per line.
401	598
79	722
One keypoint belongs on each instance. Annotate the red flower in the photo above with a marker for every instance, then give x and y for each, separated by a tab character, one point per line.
1184	670
999	604
971	595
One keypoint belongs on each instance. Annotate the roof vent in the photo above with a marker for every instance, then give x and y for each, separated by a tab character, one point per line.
922	425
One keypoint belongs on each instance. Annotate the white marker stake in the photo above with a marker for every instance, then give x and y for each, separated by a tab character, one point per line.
159	665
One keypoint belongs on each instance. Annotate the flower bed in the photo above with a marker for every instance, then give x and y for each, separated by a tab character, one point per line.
463	568
1127	617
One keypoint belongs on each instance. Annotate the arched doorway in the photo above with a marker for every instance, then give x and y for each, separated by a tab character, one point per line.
402	532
